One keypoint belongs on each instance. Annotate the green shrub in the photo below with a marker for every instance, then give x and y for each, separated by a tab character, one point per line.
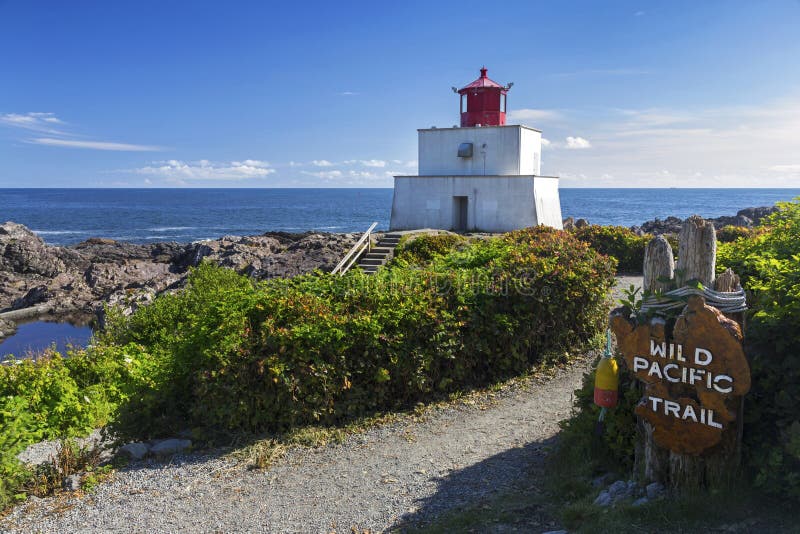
55	397
317	349
614	449
730	233
618	242
769	264
17	430
421	249
228	354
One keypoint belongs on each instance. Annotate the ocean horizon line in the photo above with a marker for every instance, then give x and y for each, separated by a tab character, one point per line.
373	188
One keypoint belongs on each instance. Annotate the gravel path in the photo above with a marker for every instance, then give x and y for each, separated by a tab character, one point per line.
405	472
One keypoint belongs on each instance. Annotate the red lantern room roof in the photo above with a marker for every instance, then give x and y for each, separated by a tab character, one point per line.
483	102
483	81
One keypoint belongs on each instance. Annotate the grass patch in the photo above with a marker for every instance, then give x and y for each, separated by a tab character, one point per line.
562	498
735	509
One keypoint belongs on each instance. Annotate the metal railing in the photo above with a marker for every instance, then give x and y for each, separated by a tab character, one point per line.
351	257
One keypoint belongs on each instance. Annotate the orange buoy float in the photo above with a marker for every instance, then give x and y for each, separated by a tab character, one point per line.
606	382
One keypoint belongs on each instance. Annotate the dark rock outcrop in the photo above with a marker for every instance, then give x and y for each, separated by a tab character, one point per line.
97	271
747	218
24	252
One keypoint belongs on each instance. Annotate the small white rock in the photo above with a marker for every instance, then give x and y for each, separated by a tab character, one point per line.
654	490
170	446
71	483
135	450
617	488
604	499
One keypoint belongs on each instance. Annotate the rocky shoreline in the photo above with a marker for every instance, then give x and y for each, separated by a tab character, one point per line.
55	280
747	218
82	278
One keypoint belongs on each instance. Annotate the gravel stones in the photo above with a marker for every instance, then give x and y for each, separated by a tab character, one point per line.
449	458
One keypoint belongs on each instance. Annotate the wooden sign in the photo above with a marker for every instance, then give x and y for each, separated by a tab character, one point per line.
694	377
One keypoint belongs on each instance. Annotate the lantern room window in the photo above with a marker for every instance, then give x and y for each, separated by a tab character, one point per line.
503	103
463	103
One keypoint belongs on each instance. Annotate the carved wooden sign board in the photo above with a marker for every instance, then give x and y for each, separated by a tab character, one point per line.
694	380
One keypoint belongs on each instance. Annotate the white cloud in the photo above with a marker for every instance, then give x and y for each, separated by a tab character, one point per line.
373	163
577	143
206	170
35	121
727	146
545	142
348	93
93	145
361	174
324	174
538	115
322	163
785	168
657	117
43	123
252	163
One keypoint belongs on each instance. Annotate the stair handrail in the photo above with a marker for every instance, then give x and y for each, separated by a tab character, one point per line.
352	256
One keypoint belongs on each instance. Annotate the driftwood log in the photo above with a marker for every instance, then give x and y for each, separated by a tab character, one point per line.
703	446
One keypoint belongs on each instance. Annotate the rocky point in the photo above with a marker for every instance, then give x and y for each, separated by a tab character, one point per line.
85	276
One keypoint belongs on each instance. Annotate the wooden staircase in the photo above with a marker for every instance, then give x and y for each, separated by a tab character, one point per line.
380	254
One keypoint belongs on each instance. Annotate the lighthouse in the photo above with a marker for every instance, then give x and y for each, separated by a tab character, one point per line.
481	176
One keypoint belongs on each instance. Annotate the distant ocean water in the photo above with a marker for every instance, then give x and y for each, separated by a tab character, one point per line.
68	216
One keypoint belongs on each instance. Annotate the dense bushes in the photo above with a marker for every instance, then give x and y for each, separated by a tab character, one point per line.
321	348
614	449
227	354
57	397
768	261
730	233
616	241
420	249
769	264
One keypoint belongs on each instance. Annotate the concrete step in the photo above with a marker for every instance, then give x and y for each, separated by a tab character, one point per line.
392	243
369	269
381	250
372	261
394	236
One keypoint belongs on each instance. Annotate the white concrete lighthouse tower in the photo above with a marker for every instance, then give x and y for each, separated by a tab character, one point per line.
483	176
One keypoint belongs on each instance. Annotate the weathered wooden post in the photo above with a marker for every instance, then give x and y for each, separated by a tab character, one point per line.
658	264
697	251
691	365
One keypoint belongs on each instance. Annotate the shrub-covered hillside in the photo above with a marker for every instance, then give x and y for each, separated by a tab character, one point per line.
232	355
768	261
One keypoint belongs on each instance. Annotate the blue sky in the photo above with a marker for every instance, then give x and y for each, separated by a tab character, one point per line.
330	94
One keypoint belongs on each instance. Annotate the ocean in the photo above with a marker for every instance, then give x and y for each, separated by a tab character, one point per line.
68	216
